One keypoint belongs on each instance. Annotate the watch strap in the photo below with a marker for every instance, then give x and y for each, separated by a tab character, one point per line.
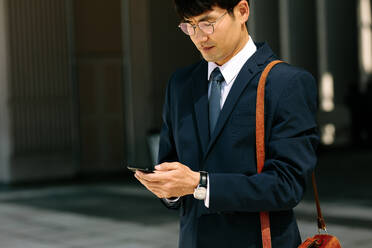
203	179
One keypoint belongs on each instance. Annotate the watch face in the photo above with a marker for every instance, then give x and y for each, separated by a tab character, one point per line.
200	193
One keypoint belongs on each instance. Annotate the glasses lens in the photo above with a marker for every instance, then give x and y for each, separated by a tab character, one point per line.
187	28
206	27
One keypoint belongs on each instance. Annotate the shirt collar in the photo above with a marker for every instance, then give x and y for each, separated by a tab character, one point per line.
232	67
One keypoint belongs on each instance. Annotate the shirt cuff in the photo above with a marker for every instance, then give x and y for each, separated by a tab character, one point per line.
206	200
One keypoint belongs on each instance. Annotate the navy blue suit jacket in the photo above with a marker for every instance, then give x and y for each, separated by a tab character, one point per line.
237	192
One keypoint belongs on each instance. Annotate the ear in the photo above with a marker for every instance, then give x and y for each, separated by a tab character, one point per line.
242	11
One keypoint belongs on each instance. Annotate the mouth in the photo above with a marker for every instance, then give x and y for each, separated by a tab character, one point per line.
206	48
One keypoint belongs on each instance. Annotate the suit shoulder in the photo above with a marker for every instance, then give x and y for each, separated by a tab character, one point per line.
289	72
285	80
285	76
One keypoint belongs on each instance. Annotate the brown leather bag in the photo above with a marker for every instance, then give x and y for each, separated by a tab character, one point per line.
320	240
317	241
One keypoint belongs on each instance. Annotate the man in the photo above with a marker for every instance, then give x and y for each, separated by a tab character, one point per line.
207	145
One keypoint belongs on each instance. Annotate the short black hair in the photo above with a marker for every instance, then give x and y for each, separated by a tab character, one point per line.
190	8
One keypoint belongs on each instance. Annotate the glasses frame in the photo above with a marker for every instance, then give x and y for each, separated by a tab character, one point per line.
197	25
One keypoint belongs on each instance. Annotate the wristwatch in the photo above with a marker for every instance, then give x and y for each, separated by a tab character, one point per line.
200	192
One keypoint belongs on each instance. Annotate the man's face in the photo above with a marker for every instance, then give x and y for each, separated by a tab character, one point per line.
227	38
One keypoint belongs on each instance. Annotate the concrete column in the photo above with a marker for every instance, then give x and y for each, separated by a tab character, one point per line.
337	68
285	41
5	142
264	25
298	40
365	42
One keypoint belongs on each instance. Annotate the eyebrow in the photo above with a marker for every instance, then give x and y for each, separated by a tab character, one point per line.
204	18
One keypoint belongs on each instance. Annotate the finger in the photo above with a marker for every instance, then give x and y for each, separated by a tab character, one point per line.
156	176
168	166
157	190
137	177
146	183
160	189
149	177
150	185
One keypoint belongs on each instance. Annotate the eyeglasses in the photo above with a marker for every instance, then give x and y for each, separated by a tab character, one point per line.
205	26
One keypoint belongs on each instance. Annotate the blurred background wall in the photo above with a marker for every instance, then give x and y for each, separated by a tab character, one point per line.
82	81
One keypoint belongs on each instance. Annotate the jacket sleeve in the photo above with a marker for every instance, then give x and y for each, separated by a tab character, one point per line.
167	148
290	156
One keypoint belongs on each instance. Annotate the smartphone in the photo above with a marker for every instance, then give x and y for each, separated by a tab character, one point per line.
145	170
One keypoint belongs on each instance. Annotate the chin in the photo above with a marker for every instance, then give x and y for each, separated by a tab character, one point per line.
209	58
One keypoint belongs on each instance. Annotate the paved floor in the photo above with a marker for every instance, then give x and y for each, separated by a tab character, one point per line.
124	215
114	216
85	216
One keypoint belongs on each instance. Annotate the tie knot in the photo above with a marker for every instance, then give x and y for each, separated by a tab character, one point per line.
216	76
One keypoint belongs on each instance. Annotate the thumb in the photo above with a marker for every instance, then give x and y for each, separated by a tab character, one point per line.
167	166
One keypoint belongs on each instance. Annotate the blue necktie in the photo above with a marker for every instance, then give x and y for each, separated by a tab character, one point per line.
216	80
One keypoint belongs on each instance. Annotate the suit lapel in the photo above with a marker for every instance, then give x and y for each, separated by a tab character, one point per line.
200	99
251	68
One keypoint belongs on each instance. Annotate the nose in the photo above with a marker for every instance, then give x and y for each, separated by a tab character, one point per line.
199	35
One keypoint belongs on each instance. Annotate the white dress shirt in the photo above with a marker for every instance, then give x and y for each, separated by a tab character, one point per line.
230	71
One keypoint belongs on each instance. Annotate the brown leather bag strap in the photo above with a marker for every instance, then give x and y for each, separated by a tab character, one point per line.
320	219
260	146
260	115
260	153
